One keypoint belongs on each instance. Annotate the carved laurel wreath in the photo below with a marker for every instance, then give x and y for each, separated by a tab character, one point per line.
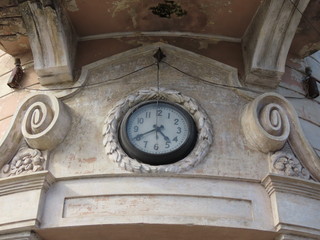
117	154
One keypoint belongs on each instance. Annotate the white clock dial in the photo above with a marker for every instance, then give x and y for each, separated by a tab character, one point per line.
158	130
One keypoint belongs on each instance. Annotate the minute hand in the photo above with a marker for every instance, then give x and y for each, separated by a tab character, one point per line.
139	136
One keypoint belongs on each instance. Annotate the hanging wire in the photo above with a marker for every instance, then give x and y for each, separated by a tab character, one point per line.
222	85
212	83
302	72
91	84
157	63
159	55
158	81
304	17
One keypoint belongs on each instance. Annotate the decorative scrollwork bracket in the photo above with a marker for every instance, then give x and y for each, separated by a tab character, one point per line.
42	120
269	121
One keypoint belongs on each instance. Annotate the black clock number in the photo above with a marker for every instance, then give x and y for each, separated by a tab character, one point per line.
145	143
167	145
135	128
140	120
175	139
179	130
148	114
156	147
176	121
159	112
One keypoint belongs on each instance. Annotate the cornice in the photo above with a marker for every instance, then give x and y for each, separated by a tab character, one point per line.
22	183
305	188
190	35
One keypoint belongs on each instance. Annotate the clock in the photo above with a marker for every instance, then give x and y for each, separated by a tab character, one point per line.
157	132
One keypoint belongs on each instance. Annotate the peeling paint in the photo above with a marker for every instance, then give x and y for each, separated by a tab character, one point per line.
89	160
132	12
122	5
309	49
71	5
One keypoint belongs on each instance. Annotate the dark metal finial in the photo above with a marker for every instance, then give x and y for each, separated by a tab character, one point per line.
159	55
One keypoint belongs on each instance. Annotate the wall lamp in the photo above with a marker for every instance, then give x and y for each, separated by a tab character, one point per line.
16	75
310	84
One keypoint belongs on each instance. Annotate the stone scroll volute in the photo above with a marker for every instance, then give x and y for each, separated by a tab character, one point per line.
269	121
42	121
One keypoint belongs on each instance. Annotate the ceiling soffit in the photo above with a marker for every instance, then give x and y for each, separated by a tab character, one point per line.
266	33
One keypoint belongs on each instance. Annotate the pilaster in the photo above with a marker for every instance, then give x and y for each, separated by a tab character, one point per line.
22	198
295	205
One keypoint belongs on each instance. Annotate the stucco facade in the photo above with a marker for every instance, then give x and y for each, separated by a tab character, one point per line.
254	171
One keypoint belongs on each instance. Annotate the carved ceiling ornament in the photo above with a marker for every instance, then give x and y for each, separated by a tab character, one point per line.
269	121
42	120
116	153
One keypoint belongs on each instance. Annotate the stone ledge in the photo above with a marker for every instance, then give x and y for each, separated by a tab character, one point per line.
27	235
34	181
275	183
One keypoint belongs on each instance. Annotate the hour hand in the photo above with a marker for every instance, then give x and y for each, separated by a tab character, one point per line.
167	139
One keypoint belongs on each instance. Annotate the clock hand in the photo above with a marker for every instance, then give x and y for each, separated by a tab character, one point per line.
139	136
167	139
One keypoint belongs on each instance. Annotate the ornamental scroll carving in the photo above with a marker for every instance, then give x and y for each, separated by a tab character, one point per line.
27	160
269	121
116	153
287	164
42	120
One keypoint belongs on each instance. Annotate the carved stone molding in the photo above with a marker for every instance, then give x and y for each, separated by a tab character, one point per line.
20	236
27	160
295	205
116	153
42	120
267	40
22	201
269	121
288	165
292	237
52	39
35	181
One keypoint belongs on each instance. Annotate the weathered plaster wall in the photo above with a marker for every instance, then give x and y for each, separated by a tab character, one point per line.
11	98
89	185
228	156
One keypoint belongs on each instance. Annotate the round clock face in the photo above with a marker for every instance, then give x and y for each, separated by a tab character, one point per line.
157	132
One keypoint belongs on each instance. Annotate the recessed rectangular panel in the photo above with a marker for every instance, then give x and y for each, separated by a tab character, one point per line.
158	205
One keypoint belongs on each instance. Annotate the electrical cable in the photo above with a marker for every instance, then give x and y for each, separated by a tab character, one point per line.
223	85
146	67
301	72
212	83
304	17
89	85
